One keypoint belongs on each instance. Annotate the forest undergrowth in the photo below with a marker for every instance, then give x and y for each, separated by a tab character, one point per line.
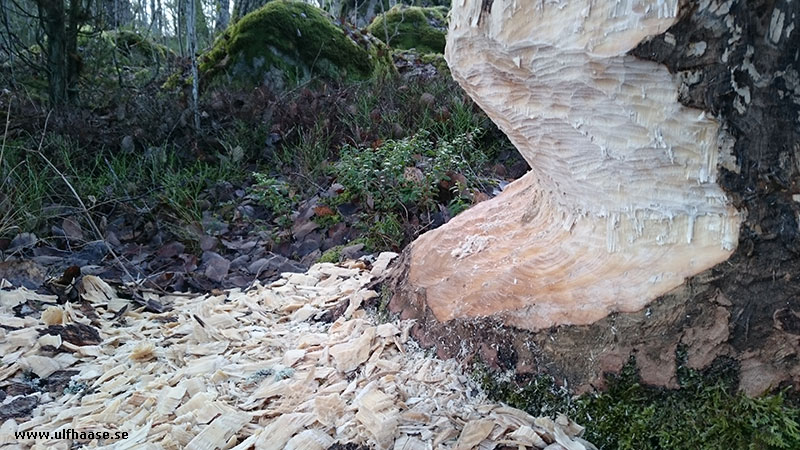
275	181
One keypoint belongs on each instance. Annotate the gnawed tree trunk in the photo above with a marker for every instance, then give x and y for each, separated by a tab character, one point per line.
663	204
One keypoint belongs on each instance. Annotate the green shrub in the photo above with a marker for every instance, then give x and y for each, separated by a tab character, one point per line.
386	233
405	172
378	109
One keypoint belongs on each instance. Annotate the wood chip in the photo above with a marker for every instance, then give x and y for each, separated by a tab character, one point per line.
278	433
95	290
42	366
143	352
379	415
219	431
473	433
349	355
53	315
525	435
254	370
310	440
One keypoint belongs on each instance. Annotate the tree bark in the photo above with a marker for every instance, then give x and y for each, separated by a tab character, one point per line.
243	7
64	63
662	210
160	17
117	13
180	26
191	26
77	16
223	16
52	15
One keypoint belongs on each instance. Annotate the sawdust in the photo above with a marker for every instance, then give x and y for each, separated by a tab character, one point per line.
255	369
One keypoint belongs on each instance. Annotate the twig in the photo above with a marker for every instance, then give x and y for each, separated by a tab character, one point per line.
7	217
161	291
80	201
5	133
321	189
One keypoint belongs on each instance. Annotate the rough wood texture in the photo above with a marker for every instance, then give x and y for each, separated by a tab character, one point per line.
652	158
239	370
621	203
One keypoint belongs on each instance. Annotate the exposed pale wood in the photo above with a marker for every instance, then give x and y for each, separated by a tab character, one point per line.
621	204
257	375
623	240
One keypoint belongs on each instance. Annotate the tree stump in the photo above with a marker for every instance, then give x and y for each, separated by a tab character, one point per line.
662	208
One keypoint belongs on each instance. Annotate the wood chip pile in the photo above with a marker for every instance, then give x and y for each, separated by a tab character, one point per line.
249	369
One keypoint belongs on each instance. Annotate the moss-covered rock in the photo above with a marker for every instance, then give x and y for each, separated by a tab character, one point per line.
412	64
286	42
132	48
134	45
406	27
120	56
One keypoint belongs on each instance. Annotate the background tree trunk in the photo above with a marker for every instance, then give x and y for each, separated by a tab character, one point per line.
51	14
736	62
180	26
77	16
223	16
192	40
117	13
242	7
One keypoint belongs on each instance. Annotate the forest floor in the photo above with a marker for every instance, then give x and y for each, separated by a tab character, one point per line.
296	364
275	183
122	188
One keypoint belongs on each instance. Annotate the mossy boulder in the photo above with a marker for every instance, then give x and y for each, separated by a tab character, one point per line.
137	47
111	57
406	27
132	48
285	43
412	64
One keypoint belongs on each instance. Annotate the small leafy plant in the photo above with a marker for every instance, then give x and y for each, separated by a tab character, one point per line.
410	177
277	196
405	172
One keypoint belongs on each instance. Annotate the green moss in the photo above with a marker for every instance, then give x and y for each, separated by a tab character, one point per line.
404	27
706	413
134	45
121	55
332	255
287	42
132	48
175	80
436	60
